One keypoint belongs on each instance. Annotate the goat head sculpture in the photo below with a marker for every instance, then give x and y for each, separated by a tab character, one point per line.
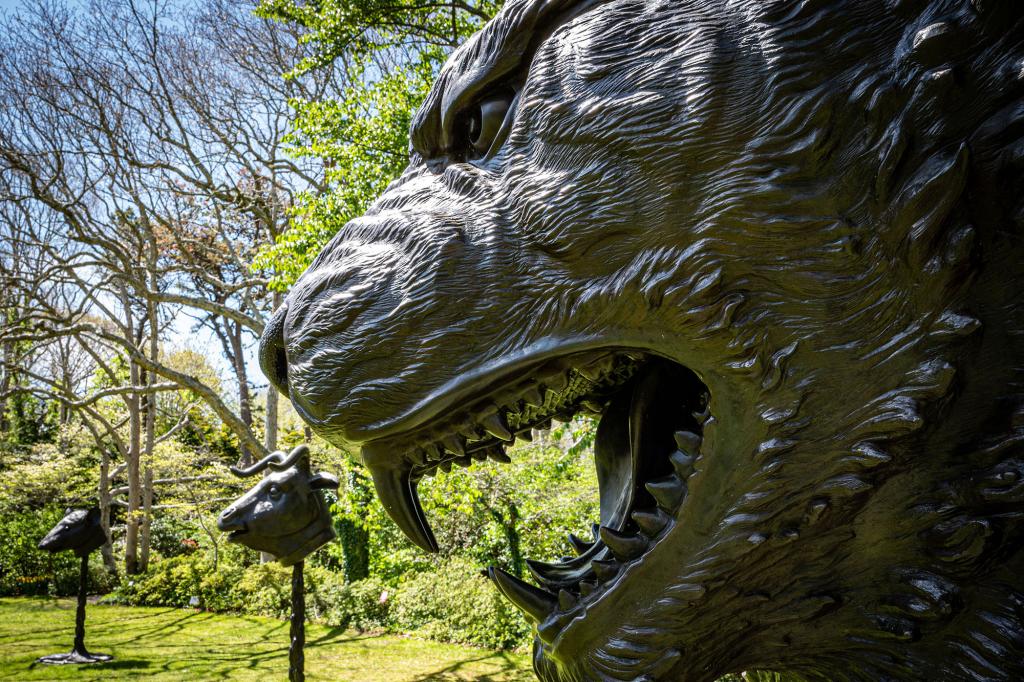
284	514
80	530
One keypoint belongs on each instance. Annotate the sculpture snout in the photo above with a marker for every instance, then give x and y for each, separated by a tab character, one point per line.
230	519
273	360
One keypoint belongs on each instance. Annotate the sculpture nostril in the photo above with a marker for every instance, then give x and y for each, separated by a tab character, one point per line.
273	358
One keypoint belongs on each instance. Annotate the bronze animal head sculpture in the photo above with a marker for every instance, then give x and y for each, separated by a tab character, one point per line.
80	531
779	246
284	514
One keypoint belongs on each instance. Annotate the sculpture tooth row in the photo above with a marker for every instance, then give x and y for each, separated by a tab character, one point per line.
487	433
551	612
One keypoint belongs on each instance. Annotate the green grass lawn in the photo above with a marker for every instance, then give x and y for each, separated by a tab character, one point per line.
184	645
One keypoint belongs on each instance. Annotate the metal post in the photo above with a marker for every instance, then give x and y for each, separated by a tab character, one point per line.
296	656
78	653
83	587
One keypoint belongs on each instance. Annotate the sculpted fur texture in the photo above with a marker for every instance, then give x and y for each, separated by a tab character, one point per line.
777	246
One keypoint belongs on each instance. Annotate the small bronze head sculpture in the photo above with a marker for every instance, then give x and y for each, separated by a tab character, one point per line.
284	514
79	530
779	246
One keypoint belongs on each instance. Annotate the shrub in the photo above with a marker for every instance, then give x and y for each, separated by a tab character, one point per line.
26	569
171	536
66	578
265	590
362	604
174	581
371	604
456	604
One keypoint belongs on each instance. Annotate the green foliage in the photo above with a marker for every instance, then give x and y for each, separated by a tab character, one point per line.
29	420
389	52
353	538
451	604
340	30
362	605
456	604
171	535
47	474
760	676
26	569
363	139
175	581
490	514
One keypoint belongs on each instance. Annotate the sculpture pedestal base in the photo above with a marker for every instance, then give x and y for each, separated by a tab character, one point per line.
74	658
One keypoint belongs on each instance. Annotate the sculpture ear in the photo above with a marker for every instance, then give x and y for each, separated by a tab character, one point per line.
68	511
323	480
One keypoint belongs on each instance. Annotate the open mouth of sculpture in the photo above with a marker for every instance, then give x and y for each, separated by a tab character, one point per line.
237	533
652	417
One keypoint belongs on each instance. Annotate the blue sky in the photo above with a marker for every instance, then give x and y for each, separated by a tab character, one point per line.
181	333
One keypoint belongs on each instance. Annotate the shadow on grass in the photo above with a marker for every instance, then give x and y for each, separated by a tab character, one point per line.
171	642
334	636
116	664
507	665
49	606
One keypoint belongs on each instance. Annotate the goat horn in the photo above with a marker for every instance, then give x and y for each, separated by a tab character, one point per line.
299	453
272	458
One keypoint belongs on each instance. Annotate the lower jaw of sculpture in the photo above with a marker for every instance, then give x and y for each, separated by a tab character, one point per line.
237	534
649	438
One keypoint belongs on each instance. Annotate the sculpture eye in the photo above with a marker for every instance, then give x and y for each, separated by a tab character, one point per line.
485	121
274	492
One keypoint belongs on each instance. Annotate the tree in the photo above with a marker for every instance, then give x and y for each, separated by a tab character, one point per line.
391	51
140	151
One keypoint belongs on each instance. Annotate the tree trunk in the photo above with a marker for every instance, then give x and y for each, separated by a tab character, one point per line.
270	433
7	360
153	321
131	538
107	550
241	376
147	519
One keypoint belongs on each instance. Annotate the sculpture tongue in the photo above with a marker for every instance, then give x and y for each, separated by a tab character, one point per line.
397	492
617	449
620	454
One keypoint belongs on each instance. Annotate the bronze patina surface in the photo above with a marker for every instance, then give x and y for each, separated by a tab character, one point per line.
779	247
284	514
80	531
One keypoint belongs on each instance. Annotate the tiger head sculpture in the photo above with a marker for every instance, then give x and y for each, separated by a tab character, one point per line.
779	247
